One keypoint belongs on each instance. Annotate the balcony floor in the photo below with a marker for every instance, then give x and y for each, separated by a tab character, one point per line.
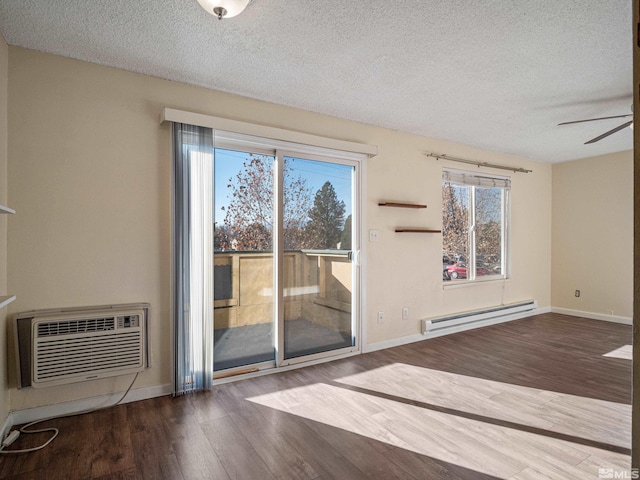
251	344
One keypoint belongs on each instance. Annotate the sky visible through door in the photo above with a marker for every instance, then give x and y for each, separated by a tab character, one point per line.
306	184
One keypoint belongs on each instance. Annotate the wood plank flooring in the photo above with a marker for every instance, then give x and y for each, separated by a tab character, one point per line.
530	399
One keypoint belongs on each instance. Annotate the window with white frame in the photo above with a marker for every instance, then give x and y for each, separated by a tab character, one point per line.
475	219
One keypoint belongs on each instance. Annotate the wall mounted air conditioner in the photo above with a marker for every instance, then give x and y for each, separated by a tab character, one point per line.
55	347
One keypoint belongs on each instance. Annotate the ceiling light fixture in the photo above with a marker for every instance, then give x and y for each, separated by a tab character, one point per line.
224	8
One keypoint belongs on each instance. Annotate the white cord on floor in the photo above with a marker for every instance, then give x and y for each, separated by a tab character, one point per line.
55	430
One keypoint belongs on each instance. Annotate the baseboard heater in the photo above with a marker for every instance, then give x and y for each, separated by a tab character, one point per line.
61	346
477	318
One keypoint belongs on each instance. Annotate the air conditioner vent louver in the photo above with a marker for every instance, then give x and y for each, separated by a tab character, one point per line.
87	355
75	326
56	347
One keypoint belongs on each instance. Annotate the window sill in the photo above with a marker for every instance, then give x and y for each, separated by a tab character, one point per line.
452	284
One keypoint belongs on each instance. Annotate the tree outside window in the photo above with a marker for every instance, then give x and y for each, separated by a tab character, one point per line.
310	221
474	217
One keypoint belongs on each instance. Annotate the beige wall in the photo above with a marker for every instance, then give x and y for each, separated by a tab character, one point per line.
4	78
404	270
90	175
593	235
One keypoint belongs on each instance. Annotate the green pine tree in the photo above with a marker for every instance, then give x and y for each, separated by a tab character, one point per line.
345	239
326	219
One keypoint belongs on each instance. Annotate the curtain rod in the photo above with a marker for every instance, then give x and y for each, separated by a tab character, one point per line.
478	164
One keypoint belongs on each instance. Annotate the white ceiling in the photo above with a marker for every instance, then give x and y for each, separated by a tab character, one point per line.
495	74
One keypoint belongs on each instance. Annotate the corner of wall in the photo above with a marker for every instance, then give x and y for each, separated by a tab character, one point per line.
4	81
592	236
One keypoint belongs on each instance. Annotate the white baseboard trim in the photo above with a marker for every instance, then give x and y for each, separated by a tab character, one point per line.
593	316
6	427
485	323
396	342
19	417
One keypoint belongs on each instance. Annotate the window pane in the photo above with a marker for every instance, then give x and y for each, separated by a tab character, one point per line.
317	268
488	234
473	218
243	259
455	231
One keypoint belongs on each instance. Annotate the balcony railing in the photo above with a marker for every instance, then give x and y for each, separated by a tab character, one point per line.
317	287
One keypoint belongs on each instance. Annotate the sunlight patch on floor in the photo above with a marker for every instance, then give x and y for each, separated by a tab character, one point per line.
503	430
625	352
595	419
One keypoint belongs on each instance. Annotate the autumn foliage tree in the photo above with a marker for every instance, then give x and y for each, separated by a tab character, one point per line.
248	223
296	204
488	224
455	221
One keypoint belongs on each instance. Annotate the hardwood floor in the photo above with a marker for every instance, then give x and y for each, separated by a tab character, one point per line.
530	399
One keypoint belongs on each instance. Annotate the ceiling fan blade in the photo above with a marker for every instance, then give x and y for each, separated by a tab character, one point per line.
596	119
610	132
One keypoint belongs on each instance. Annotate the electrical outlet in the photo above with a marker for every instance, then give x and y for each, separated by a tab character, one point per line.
374	235
380	318
577	293
405	313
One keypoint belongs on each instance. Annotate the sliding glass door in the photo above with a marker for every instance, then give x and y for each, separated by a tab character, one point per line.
243	258
276	252
317	268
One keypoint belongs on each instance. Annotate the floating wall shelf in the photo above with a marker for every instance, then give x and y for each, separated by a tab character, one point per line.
401	205
408	205
416	230
6	300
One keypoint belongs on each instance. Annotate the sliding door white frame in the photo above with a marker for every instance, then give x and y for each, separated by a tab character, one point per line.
307	146
279	257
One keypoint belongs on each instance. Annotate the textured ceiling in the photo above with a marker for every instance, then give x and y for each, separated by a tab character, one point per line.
495	74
